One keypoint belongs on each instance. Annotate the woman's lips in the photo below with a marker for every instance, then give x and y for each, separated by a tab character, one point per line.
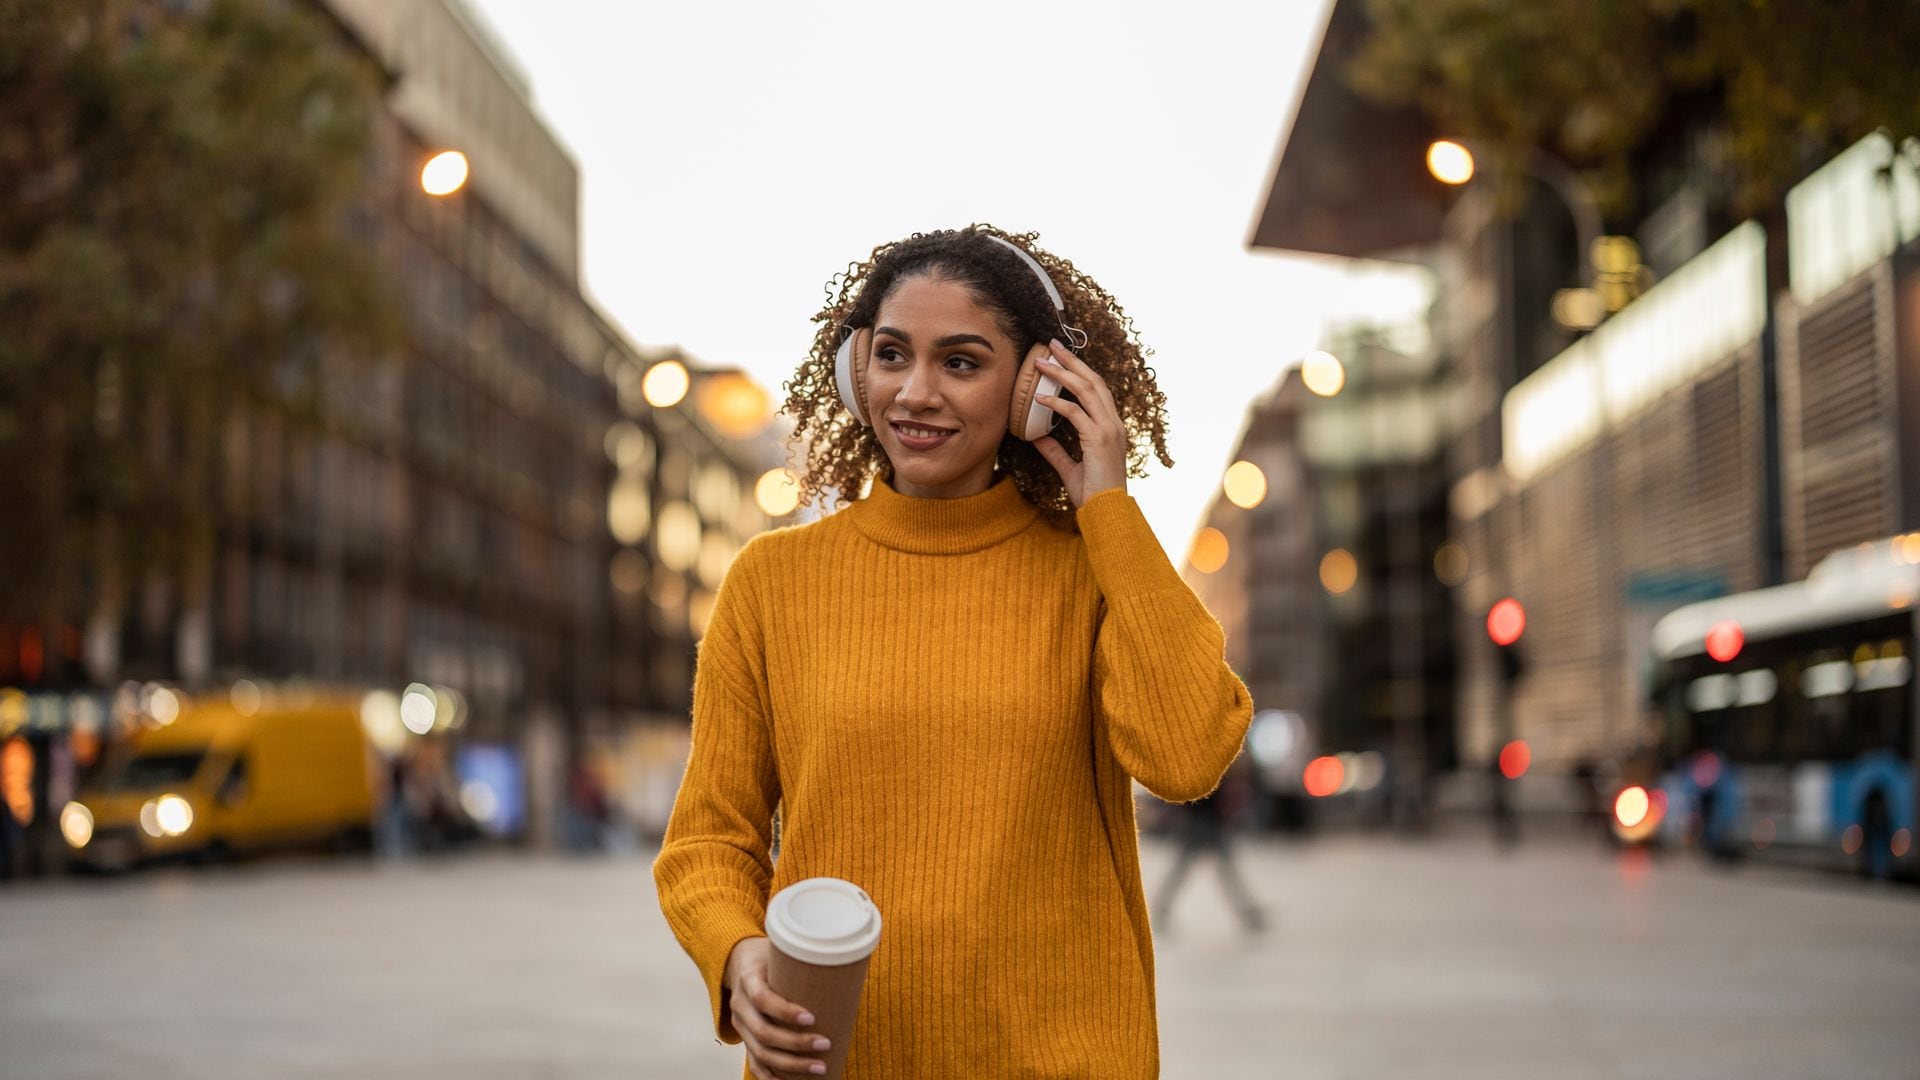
913	442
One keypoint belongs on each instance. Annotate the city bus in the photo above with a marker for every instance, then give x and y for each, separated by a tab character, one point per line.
1787	717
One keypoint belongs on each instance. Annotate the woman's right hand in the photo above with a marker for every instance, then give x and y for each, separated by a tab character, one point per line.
771	1026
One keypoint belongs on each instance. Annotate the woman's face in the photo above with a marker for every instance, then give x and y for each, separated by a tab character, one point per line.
939	360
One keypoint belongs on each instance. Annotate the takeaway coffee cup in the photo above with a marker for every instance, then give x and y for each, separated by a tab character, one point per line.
823	931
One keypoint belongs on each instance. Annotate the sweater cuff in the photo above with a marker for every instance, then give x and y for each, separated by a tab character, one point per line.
1126	557
720	933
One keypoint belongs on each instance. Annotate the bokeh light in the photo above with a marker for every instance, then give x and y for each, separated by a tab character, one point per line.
1245	485
480	801
1725	640
1851	839
1449	162
1630	806
164	706
1322	776
76	824
1338	571
678	538
245	696
1514	759
665	384
417	709
1209	551
1506	621
444	173
628	511
777	492
380	719
1323	373
173	813
16	778
739	407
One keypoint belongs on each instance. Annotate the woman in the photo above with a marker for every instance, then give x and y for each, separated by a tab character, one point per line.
947	685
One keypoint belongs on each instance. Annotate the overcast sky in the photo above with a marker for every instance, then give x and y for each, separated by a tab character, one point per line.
734	157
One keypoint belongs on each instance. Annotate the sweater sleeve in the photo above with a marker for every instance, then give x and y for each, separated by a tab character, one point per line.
715	866
1172	710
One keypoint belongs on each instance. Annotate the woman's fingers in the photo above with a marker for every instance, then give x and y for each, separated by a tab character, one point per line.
774	1045
773	1006
1086	383
1069	409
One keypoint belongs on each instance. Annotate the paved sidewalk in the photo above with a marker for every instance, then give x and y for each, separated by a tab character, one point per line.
1383	960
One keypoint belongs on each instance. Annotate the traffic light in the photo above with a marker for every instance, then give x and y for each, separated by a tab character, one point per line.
1506	623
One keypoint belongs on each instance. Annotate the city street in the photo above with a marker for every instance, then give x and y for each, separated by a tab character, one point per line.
1384	959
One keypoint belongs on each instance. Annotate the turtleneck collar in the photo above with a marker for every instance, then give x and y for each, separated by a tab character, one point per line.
924	526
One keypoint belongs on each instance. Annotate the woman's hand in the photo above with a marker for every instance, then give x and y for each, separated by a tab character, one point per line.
1103	438
769	1024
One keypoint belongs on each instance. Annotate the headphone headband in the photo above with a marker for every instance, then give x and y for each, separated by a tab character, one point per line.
1076	337
1039	272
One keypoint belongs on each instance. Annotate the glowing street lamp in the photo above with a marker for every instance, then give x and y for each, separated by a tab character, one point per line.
444	173
1450	162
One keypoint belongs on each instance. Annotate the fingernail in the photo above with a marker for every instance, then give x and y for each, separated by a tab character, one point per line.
806	1019
1055	342
816	1067
821	1044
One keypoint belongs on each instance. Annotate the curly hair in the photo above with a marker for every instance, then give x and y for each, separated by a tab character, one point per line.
842	455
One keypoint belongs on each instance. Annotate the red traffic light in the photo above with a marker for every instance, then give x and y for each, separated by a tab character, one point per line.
1506	622
1724	640
1514	759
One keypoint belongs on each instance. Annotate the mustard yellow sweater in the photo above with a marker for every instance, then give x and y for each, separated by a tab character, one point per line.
946	698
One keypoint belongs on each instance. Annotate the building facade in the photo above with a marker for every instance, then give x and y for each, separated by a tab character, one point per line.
1717	431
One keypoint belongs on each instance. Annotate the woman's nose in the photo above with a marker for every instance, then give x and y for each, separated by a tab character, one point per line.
919	388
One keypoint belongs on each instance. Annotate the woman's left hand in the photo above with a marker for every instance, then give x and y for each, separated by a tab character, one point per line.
1103	438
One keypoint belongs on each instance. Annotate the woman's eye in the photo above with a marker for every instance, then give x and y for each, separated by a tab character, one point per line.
891	354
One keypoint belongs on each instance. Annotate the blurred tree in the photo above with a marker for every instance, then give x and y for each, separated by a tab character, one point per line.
1591	81
176	184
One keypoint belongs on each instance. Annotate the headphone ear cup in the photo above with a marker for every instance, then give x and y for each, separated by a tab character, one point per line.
850	373
1028	419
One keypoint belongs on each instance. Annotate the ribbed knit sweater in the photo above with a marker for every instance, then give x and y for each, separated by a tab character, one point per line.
945	698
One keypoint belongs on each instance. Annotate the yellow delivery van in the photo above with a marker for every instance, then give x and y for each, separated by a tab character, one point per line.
217	781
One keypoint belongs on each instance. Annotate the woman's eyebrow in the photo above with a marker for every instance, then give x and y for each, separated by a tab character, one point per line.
950	339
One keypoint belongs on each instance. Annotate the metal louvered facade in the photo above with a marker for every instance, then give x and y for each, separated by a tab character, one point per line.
1672	498
1840	420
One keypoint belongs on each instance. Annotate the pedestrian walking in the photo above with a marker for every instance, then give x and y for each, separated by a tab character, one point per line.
948	685
1204	827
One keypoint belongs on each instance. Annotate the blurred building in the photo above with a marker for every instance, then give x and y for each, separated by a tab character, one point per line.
1257	574
502	511
1641	413
1329	587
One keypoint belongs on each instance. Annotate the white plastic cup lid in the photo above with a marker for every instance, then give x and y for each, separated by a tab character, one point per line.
823	920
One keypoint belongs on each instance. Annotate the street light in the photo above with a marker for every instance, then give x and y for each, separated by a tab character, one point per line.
1451	161
444	173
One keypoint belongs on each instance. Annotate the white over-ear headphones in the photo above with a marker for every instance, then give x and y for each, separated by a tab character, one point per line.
1026	418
